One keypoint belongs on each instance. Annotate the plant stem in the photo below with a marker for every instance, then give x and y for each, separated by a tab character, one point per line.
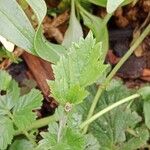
113	72
107	109
38	124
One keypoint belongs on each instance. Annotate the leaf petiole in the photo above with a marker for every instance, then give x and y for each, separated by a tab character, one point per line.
107	109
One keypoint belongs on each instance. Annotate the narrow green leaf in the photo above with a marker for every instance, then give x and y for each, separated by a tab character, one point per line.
6	132
146	110
113	5
103	3
39	8
15	26
99	2
74	31
46	50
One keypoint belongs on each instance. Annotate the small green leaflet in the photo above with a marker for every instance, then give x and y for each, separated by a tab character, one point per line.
81	67
6	132
25	105
16	113
60	135
4	80
74	31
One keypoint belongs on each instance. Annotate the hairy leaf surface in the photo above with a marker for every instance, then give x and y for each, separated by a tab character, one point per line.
25	105
6	132
81	67
116	129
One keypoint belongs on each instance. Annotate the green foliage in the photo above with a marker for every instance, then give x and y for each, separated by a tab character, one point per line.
61	136
145	93
16	111
7	131
6	54
74	31
103	3
97	26
81	67
113	5
25	36
117	129
21	144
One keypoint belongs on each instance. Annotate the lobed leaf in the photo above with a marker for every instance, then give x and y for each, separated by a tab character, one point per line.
81	67
111	129
25	105
6	131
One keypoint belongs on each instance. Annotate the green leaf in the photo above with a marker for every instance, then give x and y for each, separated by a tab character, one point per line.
91	143
5	79
103	3
15	25
74	31
25	105
81	67
113	5
39	8
111	129
98	28
21	144
48	51
12	90
6	132
145	93
99	2
25	36
136	142
146	110
71	139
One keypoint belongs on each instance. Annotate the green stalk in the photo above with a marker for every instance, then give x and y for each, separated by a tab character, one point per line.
113	72
38	124
107	109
